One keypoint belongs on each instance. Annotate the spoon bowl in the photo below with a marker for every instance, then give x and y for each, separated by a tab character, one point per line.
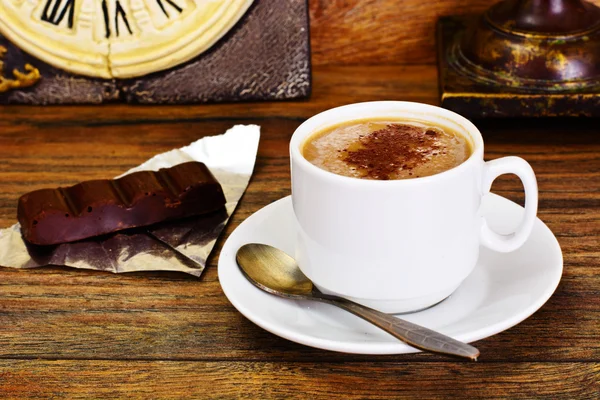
273	271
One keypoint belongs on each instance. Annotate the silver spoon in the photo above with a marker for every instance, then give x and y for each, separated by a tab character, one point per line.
273	271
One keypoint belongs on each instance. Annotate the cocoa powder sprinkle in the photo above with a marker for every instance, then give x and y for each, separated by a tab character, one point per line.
381	152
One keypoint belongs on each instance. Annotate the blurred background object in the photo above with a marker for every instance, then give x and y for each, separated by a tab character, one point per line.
522	58
346	36
155	51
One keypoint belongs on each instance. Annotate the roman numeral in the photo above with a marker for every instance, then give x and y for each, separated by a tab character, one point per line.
172	4
120	12
57	14
119	15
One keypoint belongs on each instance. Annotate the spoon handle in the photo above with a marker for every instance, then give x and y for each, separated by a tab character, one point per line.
412	334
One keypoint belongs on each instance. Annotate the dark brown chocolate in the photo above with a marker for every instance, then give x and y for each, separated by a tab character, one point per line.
93	208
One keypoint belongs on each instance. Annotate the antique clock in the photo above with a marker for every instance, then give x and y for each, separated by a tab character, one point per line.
117	38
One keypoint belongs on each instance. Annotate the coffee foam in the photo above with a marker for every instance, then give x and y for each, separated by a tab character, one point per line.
386	149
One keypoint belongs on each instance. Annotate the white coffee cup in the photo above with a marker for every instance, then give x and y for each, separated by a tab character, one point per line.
398	245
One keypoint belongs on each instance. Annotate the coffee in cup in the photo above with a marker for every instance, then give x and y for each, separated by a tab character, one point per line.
386	149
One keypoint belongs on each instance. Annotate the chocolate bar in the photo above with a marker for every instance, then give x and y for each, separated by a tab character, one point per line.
98	207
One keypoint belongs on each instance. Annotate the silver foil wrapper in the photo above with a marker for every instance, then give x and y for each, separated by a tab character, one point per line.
182	245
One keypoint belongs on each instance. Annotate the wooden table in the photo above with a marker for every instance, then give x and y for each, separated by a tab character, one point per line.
83	334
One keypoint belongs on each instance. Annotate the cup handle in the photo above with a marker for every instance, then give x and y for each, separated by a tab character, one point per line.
521	168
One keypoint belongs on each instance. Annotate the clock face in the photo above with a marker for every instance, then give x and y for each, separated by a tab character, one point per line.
117	38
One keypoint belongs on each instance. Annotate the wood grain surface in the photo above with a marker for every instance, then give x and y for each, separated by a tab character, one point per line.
311	380
84	334
381	31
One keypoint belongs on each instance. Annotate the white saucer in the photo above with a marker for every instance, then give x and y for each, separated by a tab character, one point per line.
502	291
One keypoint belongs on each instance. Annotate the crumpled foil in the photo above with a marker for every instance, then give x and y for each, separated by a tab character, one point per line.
182	245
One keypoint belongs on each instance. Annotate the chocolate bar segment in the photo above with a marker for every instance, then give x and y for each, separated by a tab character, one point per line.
93	208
